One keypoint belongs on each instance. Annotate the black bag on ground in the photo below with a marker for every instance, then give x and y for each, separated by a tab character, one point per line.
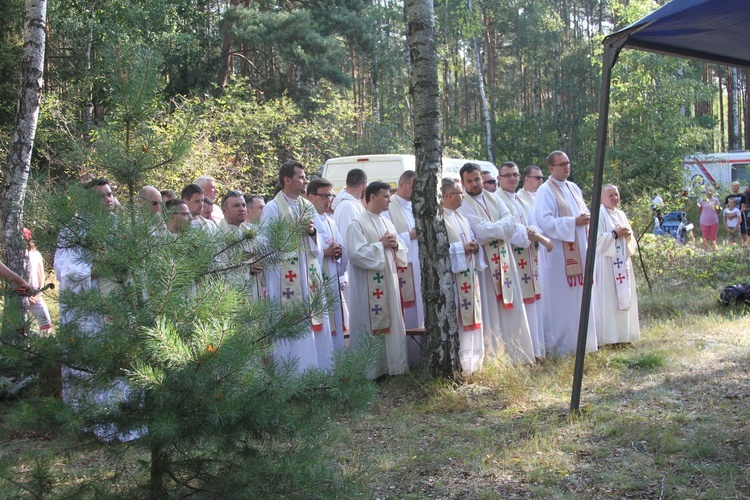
735	294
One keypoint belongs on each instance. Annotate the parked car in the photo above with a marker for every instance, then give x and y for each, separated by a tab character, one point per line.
671	222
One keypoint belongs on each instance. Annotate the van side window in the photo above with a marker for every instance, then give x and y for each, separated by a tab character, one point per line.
741	173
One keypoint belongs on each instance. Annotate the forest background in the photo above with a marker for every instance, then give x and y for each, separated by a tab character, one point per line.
250	84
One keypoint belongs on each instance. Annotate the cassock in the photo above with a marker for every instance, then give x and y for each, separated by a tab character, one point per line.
410	276
334	271
466	270
243	277
503	316
614	282
291	281
563	285
73	270
345	208
527	262
374	299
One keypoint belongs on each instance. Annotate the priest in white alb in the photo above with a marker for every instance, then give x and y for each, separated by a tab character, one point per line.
332	260
525	252
616	311
375	251
506	328
564	218
410	276
291	281
467	262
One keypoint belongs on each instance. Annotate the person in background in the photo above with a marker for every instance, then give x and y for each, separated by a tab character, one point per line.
255	204
532	179
167	194
740	200
732	219
488	181
209	190
193	196
37	306
709	210
178	216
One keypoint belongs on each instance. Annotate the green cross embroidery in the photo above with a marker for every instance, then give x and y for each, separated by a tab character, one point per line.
518	250
503	251
293	260
465	273
493	243
378	277
312	269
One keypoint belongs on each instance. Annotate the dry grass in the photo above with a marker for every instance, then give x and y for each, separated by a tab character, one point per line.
664	418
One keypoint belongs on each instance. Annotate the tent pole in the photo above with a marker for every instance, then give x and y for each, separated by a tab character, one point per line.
611	51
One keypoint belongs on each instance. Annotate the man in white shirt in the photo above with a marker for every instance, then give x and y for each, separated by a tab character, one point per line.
193	196
347	205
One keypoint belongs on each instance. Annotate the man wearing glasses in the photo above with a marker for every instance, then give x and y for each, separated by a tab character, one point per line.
467	262
524	247
532	179
332	260
564	218
503	317
488	181
150	199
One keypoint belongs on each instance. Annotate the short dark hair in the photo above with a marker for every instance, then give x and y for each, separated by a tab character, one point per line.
97	181
468	168
287	170
407	176
315	184
355	177
530	168
509	164
374	188
191	190
250	198
232	194
169	193
551	157
171	204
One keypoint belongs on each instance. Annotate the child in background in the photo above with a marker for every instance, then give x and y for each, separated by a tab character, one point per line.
37	307
732	217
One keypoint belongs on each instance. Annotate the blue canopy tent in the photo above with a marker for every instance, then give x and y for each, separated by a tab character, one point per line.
709	30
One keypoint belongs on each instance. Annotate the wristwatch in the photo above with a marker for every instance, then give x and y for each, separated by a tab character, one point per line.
614	234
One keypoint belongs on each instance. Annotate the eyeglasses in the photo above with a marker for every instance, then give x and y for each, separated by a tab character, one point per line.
513	176
459	193
184	214
493	181
329	196
537	177
563	164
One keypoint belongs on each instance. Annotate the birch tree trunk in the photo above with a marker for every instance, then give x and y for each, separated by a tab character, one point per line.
16	172
441	325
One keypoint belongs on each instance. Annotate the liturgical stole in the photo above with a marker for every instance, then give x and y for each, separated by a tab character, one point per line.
291	269
405	274
467	281
621	263
571	249
496	251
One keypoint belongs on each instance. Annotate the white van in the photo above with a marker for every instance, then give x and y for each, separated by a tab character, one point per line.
387	168
719	170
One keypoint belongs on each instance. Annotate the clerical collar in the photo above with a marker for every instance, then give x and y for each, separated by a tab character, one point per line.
290	200
510	194
559	183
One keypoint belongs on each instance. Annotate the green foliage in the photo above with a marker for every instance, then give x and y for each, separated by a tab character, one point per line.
648	361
